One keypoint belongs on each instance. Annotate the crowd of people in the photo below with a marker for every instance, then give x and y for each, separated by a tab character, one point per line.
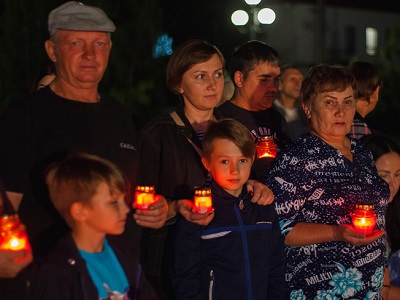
280	228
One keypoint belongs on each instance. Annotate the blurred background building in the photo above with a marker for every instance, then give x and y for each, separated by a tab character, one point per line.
309	32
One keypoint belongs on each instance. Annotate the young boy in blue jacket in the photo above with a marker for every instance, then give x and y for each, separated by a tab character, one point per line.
240	253
90	263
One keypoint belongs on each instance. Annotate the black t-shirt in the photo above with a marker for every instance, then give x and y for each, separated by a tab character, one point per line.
259	123
43	128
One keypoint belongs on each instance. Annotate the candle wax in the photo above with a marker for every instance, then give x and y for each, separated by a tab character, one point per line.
203	204
143	200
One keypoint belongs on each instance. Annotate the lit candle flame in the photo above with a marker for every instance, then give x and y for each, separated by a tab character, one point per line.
144	196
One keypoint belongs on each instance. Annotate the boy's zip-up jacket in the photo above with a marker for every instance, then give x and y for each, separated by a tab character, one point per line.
239	255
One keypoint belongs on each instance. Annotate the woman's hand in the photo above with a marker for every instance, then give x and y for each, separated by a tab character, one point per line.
393	293
12	262
187	209
155	216
346	233
304	234
262	195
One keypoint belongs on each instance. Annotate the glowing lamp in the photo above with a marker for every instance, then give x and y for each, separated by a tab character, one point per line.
13	234
364	218
203	200
266	146
144	196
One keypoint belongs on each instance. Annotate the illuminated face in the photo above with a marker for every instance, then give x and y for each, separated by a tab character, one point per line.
332	113
388	166
81	57
203	84
260	86
228	167
106	213
290	83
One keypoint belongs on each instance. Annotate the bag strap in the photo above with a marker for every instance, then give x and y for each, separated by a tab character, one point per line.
180	123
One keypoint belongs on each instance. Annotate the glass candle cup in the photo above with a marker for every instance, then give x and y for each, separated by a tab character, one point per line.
203	200
144	196
13	234
266	146
364	218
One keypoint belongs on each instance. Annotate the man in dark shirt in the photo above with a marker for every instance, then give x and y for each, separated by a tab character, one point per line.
69	114
255	71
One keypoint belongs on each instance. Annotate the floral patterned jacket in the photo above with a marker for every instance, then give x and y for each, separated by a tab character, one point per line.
313	182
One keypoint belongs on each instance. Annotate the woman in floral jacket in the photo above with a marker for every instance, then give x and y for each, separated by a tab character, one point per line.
317	182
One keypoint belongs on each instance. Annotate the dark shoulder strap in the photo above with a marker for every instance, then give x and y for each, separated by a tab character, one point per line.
180	123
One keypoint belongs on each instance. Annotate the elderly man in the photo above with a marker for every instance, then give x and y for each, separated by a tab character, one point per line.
69	114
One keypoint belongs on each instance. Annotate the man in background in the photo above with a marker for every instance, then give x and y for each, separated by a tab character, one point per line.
287	102
255	71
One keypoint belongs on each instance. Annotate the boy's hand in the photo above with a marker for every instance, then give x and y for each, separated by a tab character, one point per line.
187	209
155	216
12	262
262	195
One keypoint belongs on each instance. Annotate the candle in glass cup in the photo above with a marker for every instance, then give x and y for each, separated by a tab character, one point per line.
144	196
364	218
203	200
13	234
266	146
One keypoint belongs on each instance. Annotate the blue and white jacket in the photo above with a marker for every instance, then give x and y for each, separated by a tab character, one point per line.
239	255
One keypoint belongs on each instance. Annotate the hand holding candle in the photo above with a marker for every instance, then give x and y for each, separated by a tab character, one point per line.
144	196
13	234
203	200
364	218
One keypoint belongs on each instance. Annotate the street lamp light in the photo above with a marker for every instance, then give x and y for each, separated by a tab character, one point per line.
258	17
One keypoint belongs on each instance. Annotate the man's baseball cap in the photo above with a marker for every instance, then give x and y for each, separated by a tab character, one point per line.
74	15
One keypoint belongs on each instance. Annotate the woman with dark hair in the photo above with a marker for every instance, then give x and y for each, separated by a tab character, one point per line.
170	149
386	154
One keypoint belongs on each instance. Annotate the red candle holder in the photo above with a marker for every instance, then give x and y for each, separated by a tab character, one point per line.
266	146
203	200
144	196
364	218
13	235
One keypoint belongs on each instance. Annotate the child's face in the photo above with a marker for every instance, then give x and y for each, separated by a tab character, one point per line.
106	214
228	166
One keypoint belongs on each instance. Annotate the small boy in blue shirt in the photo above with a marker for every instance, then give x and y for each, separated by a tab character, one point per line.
90	263
240	253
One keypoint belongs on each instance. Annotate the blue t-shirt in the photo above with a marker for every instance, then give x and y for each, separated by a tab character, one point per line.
314	183
106	272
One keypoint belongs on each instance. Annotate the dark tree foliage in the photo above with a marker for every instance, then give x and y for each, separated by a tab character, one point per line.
132	76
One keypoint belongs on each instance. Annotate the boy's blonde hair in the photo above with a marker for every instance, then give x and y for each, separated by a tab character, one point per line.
233	131
76	178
